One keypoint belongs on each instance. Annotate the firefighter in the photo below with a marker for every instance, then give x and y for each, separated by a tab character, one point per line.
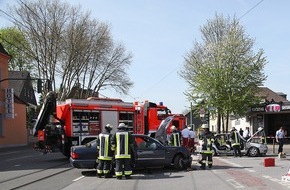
174	137
235	137
105	153
122	144
207	138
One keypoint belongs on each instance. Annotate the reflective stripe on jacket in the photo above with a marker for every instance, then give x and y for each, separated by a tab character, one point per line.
176	139
122	146
207	139
208	145
235	138
105	152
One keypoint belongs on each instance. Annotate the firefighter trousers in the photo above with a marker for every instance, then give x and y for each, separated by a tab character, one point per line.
104	167
123	166
206	158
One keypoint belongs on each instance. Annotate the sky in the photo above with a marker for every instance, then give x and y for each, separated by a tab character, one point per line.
159	33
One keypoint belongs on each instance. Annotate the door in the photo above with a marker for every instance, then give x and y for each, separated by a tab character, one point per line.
148	153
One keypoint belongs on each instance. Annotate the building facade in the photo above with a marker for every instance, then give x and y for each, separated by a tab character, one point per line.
13	131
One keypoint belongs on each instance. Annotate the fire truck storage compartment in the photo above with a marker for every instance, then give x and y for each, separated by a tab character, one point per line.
86	122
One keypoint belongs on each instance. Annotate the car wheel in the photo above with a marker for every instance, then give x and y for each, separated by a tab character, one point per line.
253	152
178	162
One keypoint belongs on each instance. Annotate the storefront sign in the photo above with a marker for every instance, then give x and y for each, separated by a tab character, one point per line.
258	109
286	107
9	103
273	108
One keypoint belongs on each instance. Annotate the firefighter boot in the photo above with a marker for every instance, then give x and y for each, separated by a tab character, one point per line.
202	166
128	177
209	165
119	177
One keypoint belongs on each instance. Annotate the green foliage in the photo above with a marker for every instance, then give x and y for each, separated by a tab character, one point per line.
16	46
223	70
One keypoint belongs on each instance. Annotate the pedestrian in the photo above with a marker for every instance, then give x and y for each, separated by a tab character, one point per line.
246	134
174	137
122	144
241	131
105	155
280	135
235	138
191	140
207	138
185	136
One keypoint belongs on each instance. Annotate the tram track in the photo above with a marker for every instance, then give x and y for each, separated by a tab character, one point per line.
33	177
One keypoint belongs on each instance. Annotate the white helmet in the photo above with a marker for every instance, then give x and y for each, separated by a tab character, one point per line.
173	128
204	126
121	126
109	127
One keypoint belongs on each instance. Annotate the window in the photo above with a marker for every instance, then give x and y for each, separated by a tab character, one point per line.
127	118
145	143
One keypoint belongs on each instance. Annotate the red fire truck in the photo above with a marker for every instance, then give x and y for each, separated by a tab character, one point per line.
78	121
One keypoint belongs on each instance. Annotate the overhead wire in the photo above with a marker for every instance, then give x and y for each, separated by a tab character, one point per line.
251	9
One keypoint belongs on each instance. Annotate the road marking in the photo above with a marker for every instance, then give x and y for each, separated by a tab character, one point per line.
6	153
250	170
231	163
78	178
284	183
235	184
216	171
19	158
278	181
237	165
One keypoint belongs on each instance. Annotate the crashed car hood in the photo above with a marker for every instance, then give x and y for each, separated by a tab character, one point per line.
161	131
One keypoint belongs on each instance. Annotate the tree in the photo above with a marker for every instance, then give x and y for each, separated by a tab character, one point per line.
71	49
13	40
223	71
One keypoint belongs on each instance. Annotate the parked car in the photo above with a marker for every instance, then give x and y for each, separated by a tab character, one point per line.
148	153
254	146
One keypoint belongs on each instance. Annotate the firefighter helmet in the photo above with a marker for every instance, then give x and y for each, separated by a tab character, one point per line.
204	126
173	128
108	127
121	126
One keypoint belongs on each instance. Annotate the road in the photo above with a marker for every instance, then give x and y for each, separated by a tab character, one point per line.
22	168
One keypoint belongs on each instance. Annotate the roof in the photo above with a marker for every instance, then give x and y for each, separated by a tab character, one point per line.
17	84
22	86
2	50
270	95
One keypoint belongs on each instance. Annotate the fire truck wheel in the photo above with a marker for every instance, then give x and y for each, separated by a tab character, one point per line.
178	162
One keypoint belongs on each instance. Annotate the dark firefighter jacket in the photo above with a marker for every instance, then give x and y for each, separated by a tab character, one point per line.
122	144
104	146
207	139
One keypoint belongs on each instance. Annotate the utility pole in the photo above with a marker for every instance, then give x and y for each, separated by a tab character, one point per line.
191	116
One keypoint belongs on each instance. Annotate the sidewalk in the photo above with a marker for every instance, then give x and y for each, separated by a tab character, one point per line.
273	150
